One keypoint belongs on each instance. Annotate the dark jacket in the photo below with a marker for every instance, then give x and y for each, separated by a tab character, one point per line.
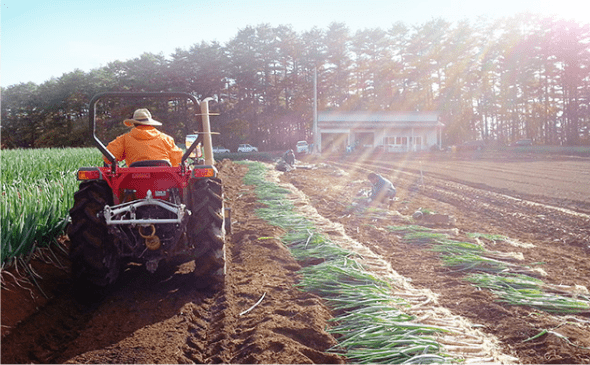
382	188
289	157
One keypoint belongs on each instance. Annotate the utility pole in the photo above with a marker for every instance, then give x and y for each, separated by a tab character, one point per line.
316	147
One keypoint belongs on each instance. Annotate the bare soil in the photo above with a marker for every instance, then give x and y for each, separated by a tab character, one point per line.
541	204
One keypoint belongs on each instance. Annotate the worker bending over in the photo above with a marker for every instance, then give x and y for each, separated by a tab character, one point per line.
382	190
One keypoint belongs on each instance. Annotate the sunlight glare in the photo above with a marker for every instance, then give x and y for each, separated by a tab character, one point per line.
566	9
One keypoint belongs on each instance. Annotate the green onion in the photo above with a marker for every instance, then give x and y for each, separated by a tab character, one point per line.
524	290
38	186
370	326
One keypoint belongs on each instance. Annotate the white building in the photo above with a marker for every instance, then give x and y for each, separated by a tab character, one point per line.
394	131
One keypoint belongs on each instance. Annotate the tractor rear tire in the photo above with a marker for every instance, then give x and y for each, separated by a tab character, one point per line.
94	254
206	230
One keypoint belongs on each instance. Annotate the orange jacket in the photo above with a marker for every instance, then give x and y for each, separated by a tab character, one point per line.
145	143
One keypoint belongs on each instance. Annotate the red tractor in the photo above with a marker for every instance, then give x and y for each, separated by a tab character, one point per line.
150	212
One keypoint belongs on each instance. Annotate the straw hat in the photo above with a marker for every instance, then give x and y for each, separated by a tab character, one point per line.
141	116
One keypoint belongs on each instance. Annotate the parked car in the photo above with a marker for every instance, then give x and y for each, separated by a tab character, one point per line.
302	147
219	149
523	142
247	148
471	146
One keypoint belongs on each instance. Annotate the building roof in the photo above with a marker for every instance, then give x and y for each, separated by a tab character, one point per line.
378	119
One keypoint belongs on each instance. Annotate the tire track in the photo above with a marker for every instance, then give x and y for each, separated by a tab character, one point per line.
167	318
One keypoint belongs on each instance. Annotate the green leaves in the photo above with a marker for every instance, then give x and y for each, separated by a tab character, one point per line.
37	191
370	327
495	270
524	290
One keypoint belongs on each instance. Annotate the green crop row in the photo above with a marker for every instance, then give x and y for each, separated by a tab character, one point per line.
38	187
370	326
45	164
495	271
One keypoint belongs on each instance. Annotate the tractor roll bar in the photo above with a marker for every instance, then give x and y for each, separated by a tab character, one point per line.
92	117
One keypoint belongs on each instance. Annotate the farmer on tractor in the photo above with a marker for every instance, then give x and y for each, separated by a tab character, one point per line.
148	213
144	142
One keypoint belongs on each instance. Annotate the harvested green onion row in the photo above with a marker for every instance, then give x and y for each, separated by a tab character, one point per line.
368	324
501	277
524	290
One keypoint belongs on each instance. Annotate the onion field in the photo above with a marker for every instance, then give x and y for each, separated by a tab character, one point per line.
38	188
313	276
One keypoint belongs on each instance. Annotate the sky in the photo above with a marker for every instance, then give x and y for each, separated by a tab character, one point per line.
41	39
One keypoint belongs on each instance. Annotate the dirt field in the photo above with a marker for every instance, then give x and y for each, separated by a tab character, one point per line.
542	205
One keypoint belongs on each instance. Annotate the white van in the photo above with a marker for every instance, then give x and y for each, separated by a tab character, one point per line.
302	147
247	148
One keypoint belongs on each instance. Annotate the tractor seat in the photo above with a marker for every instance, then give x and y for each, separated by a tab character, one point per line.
151	163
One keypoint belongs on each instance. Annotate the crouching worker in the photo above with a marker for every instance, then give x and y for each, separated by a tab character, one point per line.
144	142
287	163
289	158
382	191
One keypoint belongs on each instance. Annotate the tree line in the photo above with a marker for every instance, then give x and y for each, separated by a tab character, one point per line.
499	80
